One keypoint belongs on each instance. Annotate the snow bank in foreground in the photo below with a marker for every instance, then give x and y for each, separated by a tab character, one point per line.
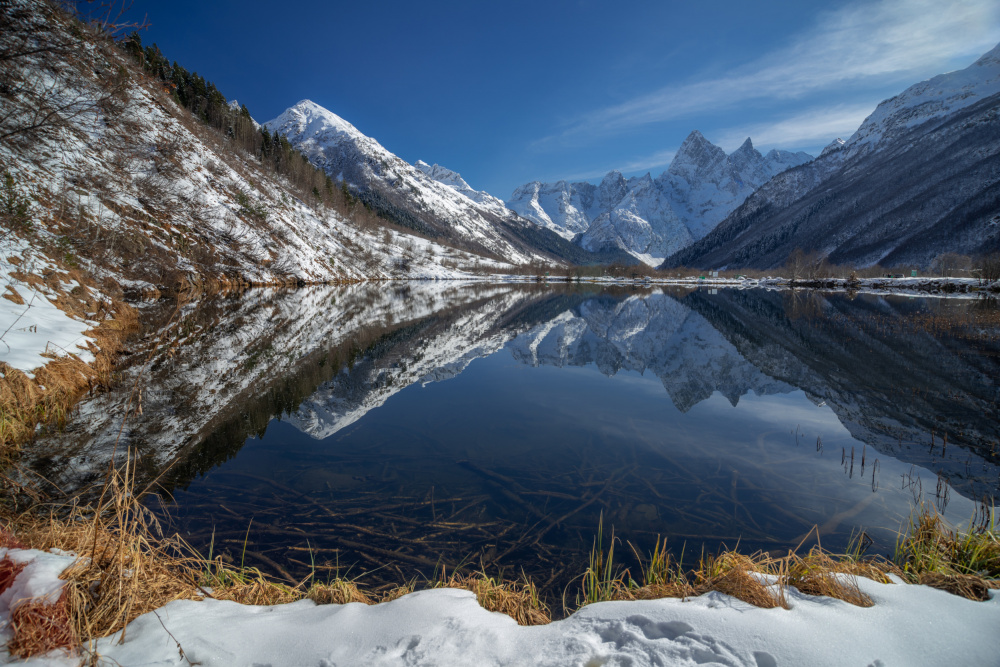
909	625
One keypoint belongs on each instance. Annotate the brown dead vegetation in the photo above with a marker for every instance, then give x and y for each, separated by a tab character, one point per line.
49	397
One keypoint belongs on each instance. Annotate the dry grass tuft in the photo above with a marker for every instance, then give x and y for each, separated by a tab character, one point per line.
8	573
339	591
19	399
397	592
820	574
519	600
249	586
964	563
738	575
125	569
967	585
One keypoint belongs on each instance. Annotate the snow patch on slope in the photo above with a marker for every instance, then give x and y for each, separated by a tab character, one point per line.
934	98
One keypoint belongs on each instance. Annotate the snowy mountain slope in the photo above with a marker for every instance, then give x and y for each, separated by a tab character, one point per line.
641	222
432	200
455	181
556	206
934	99
135	190
920	177
652	218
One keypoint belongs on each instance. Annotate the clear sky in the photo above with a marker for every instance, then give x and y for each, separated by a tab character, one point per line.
509	92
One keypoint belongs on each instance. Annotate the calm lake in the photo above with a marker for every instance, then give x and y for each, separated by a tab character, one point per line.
389	429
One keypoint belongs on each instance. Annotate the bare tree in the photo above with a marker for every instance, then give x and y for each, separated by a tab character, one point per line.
32	37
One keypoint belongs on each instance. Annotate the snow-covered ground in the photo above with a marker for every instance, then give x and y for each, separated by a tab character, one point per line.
908	625
36	326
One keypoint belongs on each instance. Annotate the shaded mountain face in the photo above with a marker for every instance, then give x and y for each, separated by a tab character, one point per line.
653	218
432	200
919	178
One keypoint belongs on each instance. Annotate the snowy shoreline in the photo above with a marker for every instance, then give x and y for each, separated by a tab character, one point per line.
909	624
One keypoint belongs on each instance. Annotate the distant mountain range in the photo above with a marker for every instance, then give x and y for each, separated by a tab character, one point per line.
644	218
433	201
653	218
918	178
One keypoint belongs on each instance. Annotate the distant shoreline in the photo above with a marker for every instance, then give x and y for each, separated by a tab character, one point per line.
911	285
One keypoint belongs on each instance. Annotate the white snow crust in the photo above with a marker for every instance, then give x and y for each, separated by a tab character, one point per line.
908	625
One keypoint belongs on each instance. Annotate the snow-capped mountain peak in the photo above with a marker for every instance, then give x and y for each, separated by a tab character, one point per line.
431	199
612	188
934	98
309	120
746	148
696	156
443	175
653	217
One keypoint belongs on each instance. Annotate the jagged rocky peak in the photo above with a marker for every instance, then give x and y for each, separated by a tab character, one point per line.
746	158
612	189
526	191
746	149
649	216
697	155
642	183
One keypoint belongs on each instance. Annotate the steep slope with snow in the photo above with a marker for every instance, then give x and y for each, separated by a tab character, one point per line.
432	200
653	218
920	177
134	189
934	99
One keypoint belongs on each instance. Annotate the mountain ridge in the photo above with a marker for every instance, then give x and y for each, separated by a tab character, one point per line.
920	177
433	200
653	218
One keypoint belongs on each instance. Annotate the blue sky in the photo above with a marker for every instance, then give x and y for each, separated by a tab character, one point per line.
509	92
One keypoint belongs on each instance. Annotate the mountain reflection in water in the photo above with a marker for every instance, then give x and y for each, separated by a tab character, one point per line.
405	427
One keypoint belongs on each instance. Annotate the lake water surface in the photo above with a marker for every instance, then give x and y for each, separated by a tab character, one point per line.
389	429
